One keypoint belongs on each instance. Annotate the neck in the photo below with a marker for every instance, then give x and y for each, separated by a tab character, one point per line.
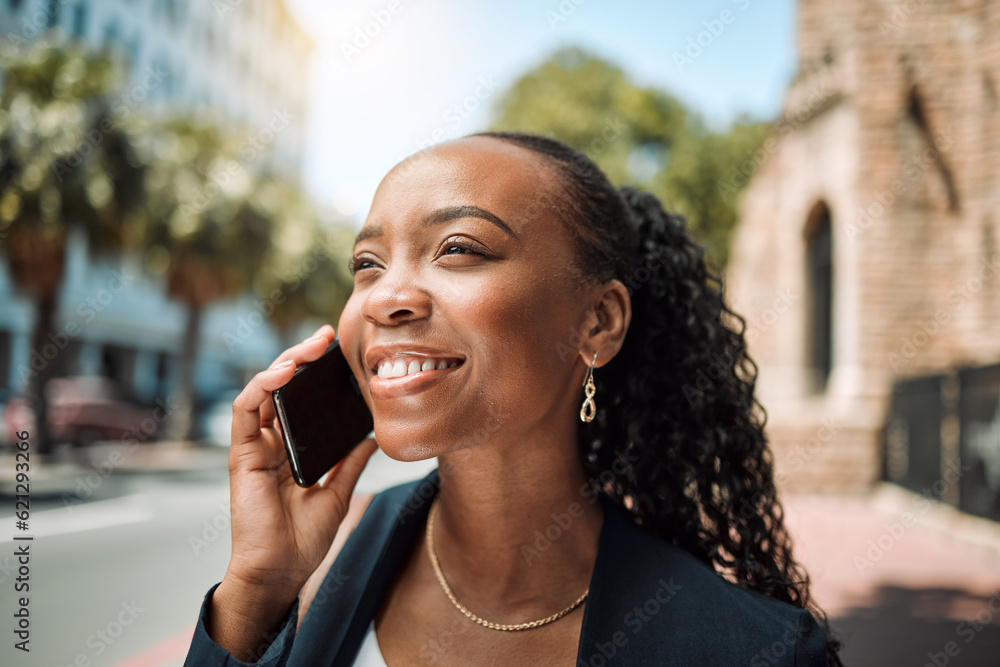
517	526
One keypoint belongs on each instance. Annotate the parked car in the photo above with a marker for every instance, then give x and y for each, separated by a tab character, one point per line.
86	409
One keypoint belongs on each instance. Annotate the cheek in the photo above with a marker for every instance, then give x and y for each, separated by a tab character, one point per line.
522	335
349	331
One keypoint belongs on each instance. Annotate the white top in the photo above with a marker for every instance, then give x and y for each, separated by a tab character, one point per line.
370	655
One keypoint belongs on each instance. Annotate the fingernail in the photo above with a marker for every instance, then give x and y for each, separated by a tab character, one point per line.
282	365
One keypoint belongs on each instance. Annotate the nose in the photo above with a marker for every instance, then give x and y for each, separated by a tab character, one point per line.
395	298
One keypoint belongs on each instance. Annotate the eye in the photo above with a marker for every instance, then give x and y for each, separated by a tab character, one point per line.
355	264
464	247
451	247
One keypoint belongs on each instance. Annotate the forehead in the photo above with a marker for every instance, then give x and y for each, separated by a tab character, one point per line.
511	182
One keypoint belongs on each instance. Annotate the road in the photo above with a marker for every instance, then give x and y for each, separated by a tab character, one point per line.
119	578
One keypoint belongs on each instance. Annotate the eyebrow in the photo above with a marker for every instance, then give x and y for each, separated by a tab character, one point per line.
441	216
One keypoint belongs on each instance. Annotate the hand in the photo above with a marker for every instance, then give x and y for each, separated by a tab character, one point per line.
281	531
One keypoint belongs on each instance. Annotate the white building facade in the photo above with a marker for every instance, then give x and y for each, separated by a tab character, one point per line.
241	63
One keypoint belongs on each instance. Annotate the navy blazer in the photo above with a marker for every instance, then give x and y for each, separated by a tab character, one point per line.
650	602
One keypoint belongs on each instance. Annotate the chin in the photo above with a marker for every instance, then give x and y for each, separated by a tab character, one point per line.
399	447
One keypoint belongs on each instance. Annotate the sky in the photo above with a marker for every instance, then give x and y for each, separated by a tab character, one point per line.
390	76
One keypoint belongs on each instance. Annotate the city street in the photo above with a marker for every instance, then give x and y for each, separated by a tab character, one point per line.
118	579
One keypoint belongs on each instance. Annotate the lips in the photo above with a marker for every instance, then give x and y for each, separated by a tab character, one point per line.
406	353
405	369
382	388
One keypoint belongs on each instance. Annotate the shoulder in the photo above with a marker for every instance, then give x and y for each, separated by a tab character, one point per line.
390	504
672	606
356	510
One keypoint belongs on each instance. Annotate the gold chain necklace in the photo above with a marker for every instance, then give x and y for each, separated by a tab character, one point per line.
469	614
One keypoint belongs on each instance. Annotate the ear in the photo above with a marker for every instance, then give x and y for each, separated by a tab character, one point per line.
605	323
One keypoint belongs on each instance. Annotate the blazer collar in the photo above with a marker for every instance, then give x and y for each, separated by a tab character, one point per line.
607	580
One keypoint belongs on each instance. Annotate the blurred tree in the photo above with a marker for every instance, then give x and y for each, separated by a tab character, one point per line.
304	274
638	136
205	230
64	162
706	175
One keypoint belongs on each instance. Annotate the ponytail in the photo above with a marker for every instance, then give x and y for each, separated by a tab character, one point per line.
677	423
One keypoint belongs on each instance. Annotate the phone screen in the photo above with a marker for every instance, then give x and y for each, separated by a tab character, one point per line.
323	415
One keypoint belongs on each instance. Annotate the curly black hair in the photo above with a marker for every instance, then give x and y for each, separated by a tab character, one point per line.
701	470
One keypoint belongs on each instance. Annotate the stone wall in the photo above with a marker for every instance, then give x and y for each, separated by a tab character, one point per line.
892	124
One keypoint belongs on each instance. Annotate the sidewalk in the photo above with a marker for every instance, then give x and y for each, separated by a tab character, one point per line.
904	580
67	468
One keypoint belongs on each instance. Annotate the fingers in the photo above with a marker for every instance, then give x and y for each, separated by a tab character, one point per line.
344	476
246	407
309	349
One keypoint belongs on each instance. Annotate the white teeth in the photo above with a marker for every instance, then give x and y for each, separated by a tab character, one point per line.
400	368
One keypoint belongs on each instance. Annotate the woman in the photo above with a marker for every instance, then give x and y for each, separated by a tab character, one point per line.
548	337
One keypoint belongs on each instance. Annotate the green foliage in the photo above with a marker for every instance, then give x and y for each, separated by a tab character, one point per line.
638	136
63	162
172	190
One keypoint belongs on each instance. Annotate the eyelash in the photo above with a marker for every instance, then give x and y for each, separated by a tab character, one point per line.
353	262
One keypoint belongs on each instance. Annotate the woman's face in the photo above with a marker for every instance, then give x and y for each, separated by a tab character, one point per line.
460	270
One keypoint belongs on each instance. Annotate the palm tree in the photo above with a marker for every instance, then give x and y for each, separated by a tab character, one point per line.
204	226
64	162
304	274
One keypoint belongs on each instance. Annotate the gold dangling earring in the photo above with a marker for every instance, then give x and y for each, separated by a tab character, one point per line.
589	409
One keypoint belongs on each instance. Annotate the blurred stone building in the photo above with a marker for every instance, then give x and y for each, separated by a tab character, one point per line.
868	247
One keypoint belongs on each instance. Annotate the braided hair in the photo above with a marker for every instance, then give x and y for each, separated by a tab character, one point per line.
677	421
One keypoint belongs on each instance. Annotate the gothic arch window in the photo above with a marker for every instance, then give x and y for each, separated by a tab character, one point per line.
819	296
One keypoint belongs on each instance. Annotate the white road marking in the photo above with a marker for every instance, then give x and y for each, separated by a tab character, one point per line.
78	518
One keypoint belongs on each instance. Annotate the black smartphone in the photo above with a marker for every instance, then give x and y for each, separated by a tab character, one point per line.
323	415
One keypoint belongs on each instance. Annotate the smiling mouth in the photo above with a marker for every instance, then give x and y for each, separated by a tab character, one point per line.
391	369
